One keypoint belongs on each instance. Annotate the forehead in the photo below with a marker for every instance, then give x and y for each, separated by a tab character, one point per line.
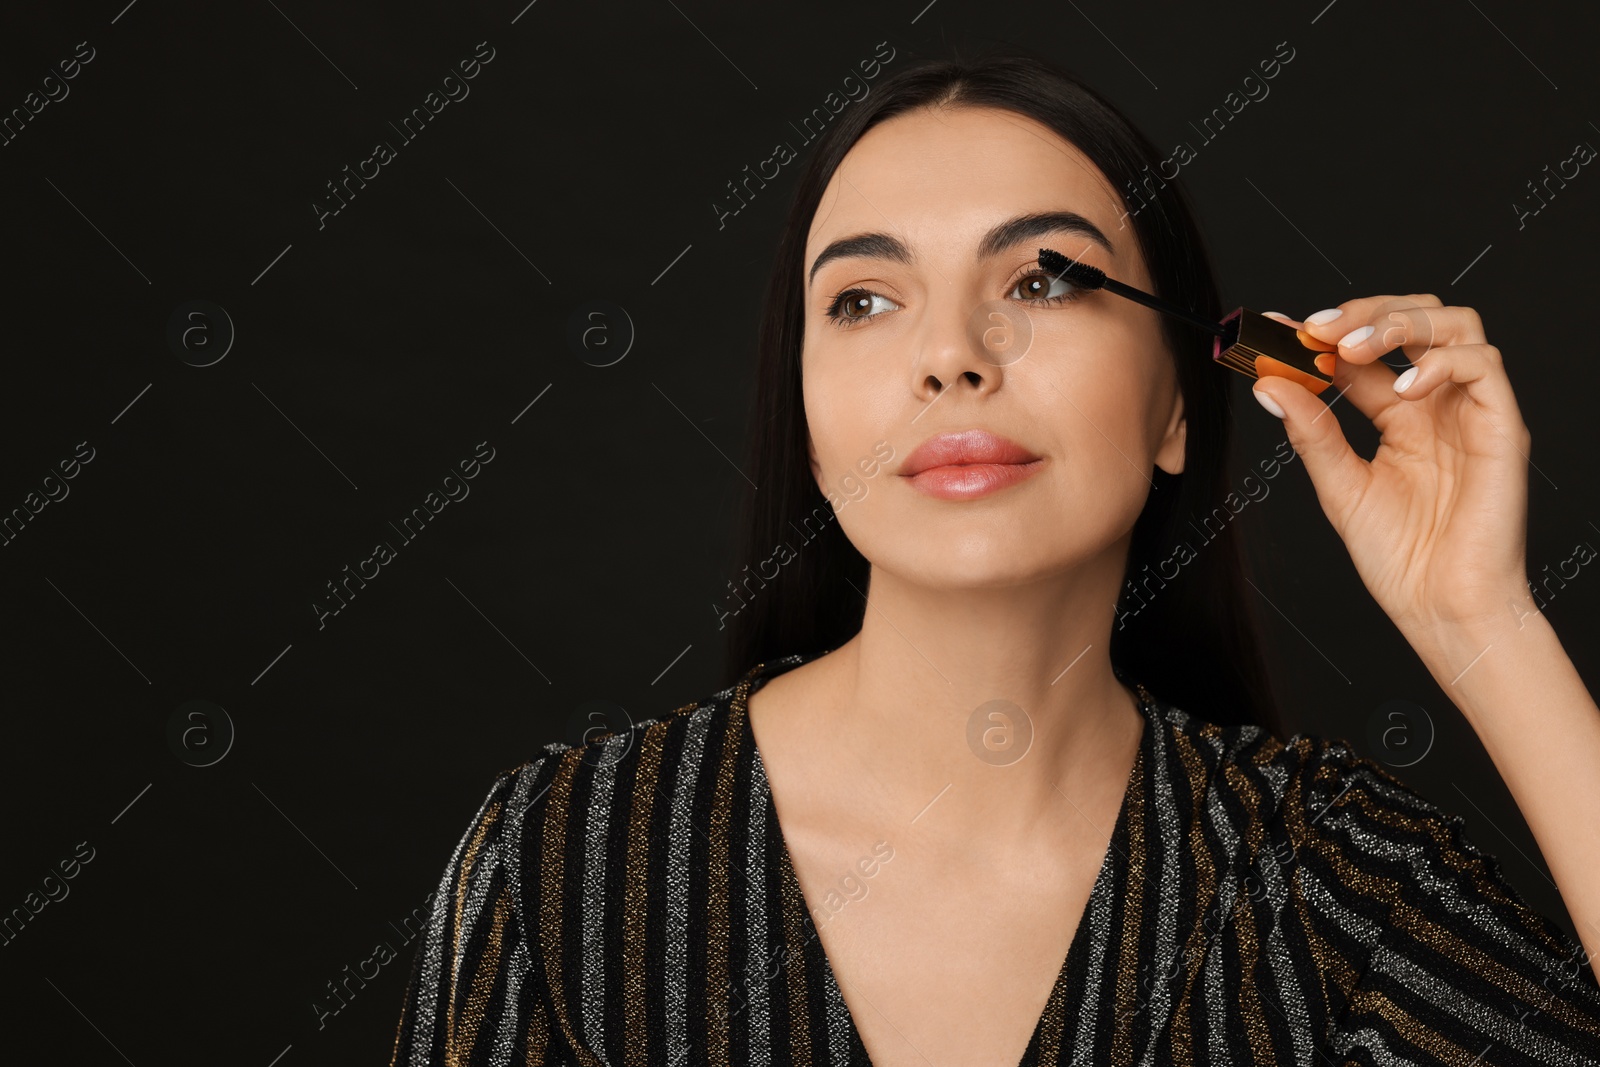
939	178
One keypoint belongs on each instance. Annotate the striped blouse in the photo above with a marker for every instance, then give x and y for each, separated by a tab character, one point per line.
630	901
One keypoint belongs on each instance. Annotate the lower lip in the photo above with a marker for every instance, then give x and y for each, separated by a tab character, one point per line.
973	479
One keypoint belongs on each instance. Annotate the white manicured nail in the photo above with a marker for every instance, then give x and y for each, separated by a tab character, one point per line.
1402	383
1355	337
1324	316
1268	403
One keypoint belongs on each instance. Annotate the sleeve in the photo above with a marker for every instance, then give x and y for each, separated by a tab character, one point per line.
471	997
1460	970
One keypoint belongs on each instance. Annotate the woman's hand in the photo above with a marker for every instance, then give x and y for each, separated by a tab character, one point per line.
1436	522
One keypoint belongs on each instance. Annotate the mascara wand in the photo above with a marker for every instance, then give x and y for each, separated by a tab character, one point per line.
1246	341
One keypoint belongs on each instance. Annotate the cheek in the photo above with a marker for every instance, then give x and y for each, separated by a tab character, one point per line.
845	415
1099	389
1094	420
1106	417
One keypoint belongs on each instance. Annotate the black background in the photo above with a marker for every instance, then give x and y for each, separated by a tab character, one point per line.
375	352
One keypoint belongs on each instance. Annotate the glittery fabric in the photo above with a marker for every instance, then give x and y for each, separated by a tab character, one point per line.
631	902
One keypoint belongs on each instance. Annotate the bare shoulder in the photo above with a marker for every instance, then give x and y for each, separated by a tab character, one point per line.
783	706
790	718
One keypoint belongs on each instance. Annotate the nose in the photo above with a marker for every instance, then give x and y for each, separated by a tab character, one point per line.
964	343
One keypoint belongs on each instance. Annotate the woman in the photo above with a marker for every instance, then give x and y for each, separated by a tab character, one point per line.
962	806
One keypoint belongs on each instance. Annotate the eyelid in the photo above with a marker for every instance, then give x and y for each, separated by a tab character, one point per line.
1087	256
875	284
1030	267
1027	270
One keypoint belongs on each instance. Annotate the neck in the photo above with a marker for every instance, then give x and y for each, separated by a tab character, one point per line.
999	705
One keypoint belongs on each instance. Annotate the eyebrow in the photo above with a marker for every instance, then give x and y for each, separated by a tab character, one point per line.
1011	232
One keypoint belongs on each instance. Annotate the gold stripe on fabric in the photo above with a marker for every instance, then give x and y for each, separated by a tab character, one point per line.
1439	1047
1426	928
462	879
1053	1024
718	993
1205	875
1379	888
1334	970
1054	1021
1405	915
400	1028
1456	858
1330	964
1251	837
1136	910
1350	876
1254	832
483	979
636	897
552	893
794	962
1488	967
1251	1007
1468	955
538	1035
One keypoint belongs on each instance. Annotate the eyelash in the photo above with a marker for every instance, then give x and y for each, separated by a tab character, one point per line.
832	312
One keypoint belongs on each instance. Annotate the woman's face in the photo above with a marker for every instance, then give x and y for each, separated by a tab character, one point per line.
935	345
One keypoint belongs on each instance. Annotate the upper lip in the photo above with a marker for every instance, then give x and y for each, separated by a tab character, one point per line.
965	447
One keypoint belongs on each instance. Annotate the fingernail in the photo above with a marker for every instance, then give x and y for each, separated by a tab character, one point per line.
1267	402
1402	383
1324	316
1355	337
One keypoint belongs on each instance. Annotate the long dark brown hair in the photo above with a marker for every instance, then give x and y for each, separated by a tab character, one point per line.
1194	641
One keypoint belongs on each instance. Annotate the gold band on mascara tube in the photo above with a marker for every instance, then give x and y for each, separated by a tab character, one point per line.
1257	346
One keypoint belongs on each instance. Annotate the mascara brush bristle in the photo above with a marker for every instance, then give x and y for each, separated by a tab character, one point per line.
1080	274
1086	277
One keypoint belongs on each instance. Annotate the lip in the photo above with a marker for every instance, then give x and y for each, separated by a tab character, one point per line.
968	464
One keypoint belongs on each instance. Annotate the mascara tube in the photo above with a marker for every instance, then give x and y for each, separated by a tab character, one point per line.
1246	341
1257	346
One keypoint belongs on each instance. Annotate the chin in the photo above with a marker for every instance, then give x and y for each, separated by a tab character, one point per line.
967	562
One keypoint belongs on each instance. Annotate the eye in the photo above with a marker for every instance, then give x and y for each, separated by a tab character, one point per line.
855	305
1042	287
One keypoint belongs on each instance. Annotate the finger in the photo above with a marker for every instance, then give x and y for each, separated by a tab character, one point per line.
1337	473
1369	386
1425	335
1479	371
1305	338
1416	330
1365	329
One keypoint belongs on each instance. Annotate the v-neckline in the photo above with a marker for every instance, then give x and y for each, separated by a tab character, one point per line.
1112	863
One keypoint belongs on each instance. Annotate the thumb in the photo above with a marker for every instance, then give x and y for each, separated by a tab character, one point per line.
1337	473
